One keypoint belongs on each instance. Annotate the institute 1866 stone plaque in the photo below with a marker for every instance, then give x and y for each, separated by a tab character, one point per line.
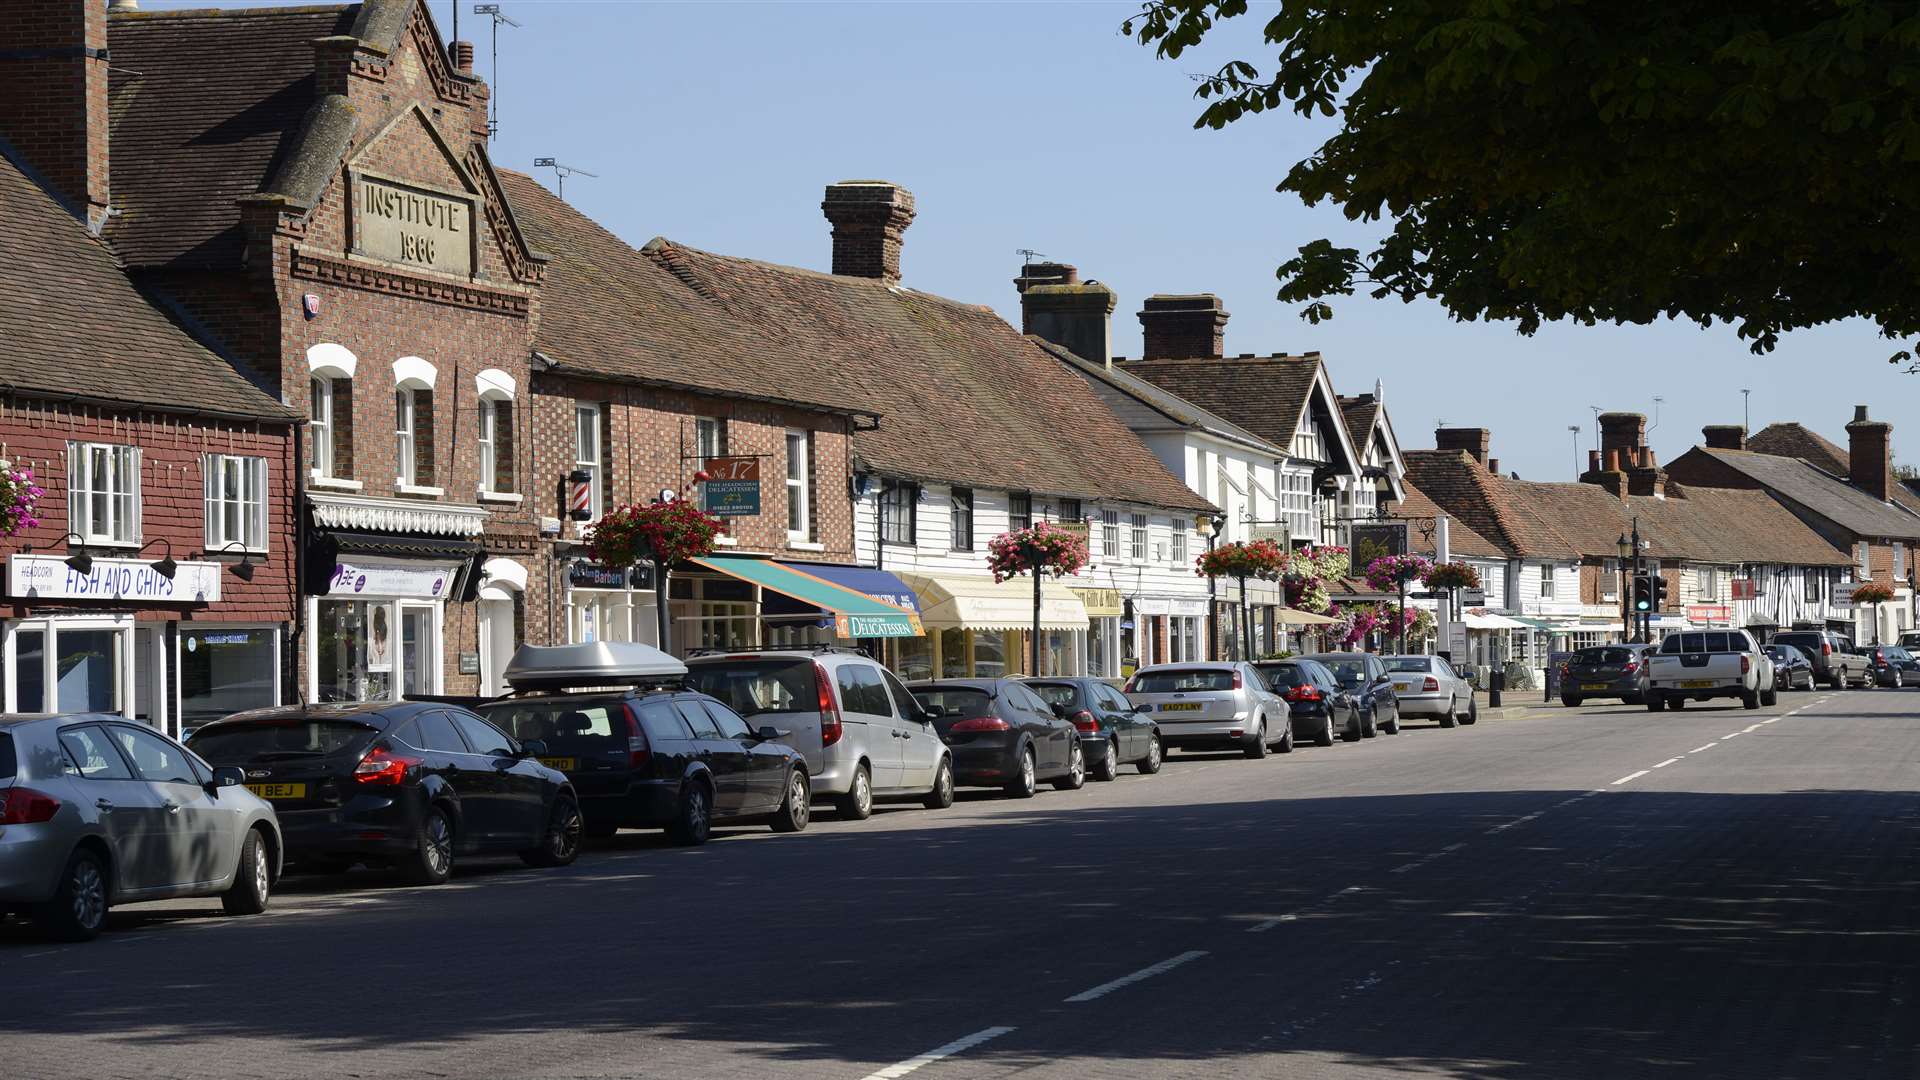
412	226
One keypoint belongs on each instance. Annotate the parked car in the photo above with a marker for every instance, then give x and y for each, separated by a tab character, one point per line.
1910	640
1365	678
1316	706
1606	671
96	811
861	733
401	784
1791	668
1698	665
1834	660
1002	735
1428	686
1113	730
642	751
1891	664
1213	706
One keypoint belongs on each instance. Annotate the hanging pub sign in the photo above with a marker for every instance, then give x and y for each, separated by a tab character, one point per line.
1372	542
732	486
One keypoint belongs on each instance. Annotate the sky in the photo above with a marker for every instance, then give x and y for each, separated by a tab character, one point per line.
1036	125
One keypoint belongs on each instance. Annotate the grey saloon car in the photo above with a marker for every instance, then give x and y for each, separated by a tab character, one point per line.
97	810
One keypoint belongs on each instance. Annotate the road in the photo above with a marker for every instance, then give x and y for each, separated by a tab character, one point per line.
1597	893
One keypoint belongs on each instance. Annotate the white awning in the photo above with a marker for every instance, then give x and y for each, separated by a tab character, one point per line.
1477	621
1296	617
977	603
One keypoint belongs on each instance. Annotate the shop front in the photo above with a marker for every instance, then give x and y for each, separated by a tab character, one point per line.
606	603
1106	612
1177	629
977	628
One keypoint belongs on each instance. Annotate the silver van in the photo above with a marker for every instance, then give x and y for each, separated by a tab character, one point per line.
863	735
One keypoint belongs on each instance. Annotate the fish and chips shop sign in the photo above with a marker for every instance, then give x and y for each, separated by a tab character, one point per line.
423	582
48	577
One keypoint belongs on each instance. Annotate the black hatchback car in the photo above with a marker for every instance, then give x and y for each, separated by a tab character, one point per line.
1606	671
1003	735
402	784
1113	730
1314	698
1364	679
1791	668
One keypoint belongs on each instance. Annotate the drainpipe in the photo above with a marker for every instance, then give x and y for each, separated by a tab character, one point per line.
298	637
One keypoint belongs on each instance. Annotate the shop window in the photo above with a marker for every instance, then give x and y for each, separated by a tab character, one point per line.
897	513
236	494
1138	537
587	455
29	671
799	487
103	495
1019	510
354	645
59	666
962	519
225	671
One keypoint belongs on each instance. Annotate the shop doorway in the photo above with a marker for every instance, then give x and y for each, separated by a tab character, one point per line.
419	654
150	676
496	642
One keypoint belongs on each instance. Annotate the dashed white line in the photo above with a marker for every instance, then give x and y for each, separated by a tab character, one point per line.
1631	776
1751	727
1405	867
961	1045
1666	763
1147	972
1730	735
1268	924
1703	749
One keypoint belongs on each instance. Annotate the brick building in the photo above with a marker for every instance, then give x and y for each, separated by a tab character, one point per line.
159	581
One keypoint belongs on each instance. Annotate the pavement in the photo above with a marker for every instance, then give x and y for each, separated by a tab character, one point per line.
1598	893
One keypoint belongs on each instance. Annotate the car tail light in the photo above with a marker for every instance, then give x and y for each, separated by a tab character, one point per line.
1879	656
25	806
1826	649
981	723
1746	663
1431	684
1084	720
1632	666
830	727
383	766
1303	692
636	742
1236	678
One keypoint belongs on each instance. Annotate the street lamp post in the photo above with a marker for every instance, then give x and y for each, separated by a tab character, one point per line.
1625	550
1208	526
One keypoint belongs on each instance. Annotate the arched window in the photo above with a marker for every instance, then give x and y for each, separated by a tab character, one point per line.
330	370
413	423
494	390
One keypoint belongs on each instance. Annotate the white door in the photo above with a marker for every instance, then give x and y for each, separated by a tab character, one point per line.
150	692
496	643
419	651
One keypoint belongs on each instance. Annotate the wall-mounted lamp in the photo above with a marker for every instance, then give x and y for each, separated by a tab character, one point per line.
79	562
242	569
165	566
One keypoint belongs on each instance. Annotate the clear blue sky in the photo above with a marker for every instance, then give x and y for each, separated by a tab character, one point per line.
1034	124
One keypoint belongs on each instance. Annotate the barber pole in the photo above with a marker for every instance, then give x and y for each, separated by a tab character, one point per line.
580	495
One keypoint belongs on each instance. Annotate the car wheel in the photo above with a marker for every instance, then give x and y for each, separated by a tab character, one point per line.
1076	770
1656	703
1023	784
1286	741
431	861
1370	725
1351	732
1473	711
252	881
1447	718
1256	747
694	822
1110	770
1571	701
1899	680
857	803
1769	697
78	910
1324	737
941	796
797	808
1676	703
1155	755
560	843
1392	727
1750	699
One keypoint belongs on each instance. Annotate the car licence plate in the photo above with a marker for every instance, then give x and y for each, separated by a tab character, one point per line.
1593	686
564	764
1403	688
1698	684
279	791
1181	706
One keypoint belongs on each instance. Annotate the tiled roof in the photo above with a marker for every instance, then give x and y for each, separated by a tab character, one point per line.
1469	492
1788	439
1461	539
206	106
1168	404
964	398
1703	525
1359	414
607	310
1263	394
1820	492
73	325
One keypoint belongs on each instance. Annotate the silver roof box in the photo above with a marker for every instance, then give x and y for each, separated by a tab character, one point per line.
592	664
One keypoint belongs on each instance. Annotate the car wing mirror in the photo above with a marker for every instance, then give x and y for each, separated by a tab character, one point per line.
532	748
1059	710
224	777
768	733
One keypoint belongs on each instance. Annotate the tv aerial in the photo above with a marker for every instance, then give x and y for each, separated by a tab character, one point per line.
560	173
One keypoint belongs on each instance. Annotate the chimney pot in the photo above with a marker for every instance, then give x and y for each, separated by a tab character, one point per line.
1493	465
869	218
1725	436
1625	432
1180	327
1046	273
1859	413
1057	306
463	57
1593	461
1870	455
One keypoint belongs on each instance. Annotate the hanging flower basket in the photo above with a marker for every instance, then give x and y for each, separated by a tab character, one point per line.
1389	572
1261	559
668	532
1453	575
1307	573
1872	592
19	499
1042	548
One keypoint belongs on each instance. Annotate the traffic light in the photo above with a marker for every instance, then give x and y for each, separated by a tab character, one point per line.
1643	592
1659	591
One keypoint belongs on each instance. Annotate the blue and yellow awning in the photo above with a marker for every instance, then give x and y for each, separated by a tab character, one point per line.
855	614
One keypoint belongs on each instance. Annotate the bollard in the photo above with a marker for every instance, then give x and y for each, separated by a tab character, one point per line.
1495	684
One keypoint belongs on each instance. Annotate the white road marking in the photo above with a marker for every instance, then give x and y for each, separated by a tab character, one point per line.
961	1045
1729	735
1147	972
1703	749
1263	927
1751	727
1414	865
1630	776
1775	719
1666	763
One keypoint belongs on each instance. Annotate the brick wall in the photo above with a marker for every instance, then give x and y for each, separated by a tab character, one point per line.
53	95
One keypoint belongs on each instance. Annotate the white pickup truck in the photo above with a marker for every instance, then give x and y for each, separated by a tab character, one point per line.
1700	664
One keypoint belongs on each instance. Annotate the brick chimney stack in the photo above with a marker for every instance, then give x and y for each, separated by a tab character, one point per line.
463	57
1180	327
1725	436
53	99
1057	306
869	218
1870	455
1474	441
1625	432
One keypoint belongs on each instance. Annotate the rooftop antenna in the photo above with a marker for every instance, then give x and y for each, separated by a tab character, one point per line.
1745	421
1574	430
493	73
1596	425
1657	402
560	172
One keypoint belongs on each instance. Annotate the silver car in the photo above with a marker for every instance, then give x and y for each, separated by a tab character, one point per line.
1428	686
1213	706
97	810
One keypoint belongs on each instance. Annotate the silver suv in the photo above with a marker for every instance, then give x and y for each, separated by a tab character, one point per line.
1213	706
864	736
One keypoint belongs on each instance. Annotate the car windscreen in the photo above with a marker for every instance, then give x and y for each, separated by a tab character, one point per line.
285	738
1349	672
1603	655
960	702
570	726
1712	642
752	687
1409	663
1282	676
1174	682
1056	693
7	766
